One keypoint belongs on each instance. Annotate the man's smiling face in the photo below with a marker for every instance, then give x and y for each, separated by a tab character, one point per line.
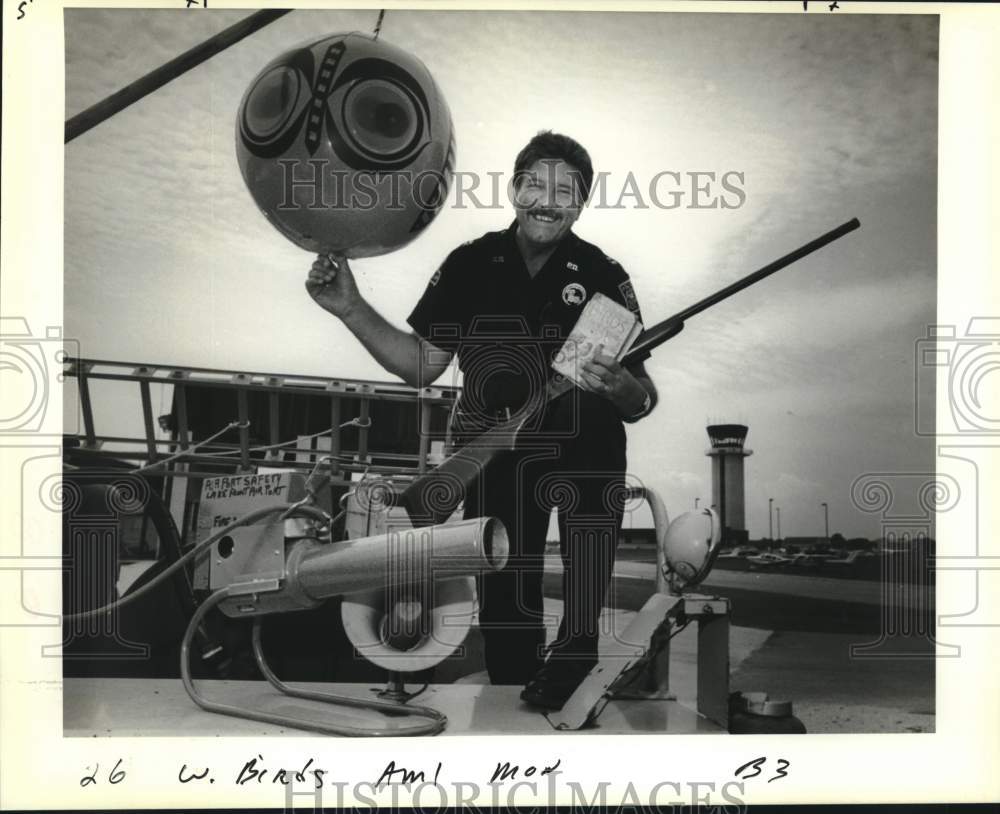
547	201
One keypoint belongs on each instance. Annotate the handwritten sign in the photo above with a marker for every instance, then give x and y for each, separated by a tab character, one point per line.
272	484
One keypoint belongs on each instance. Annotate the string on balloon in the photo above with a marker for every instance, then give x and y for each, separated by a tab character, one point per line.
378	24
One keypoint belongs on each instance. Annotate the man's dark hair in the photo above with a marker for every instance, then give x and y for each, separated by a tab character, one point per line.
549	145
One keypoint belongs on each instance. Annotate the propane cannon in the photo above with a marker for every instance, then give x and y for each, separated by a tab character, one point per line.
408	592
313	571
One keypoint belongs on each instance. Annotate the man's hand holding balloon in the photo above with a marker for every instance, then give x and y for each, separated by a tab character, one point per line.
331	285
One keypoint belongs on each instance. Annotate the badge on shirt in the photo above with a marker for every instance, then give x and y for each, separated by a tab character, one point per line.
436	278
572	266
574	294
629	294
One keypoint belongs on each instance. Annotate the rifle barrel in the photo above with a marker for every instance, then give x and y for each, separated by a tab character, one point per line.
662	331
769	269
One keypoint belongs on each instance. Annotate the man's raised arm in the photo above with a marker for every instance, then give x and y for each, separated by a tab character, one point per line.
417	362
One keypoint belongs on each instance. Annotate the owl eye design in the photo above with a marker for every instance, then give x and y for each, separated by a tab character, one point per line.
382	119
374	113
272	103
287	99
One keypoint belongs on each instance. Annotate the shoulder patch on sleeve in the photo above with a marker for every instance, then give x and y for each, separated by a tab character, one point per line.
629	294
436	278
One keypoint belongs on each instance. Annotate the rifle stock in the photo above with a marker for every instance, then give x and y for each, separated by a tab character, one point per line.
433	497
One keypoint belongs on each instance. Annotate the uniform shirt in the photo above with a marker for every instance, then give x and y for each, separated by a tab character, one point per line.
505	325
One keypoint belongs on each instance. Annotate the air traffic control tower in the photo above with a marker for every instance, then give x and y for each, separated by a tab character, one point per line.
728	497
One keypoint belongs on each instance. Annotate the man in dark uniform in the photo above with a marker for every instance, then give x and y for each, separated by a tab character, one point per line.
505	304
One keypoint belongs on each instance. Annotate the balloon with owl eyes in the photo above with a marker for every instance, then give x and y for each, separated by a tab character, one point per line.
346	145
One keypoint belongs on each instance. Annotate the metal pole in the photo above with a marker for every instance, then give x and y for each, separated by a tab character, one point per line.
770	518
723	519
155	79
147	419
777	511
424	410
826	521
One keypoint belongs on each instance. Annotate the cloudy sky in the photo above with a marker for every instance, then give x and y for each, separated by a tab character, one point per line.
827	117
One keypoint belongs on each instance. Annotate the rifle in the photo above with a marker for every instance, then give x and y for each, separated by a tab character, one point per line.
434	496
